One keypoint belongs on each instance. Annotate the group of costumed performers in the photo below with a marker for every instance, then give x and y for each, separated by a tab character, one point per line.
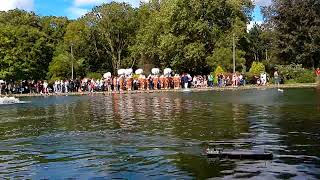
126	80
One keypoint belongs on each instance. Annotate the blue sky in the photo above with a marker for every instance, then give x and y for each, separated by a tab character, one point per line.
75	8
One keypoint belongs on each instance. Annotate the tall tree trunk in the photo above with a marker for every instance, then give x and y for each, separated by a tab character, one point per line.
119	58
114	64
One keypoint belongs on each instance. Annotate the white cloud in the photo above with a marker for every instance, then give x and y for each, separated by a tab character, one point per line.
87	2
80	3
262	2
78	7
6	5
252	23
77	12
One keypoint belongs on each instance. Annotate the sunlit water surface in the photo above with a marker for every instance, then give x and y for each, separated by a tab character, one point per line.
161	136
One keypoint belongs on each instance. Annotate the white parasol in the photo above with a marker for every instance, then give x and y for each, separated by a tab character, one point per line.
128	71
139	71
155	70
167	71
121	71
107	75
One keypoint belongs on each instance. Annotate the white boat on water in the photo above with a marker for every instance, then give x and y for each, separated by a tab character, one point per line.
9	100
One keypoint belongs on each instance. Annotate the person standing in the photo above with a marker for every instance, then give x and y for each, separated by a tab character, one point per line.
276	78
220	80
184	80
318	75
265	78
210	80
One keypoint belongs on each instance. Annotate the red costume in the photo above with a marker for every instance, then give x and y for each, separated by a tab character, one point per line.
318	72
155	82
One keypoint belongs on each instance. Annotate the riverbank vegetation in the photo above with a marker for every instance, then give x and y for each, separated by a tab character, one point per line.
187	36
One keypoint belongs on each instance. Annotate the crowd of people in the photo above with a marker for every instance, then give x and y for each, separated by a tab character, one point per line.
131	82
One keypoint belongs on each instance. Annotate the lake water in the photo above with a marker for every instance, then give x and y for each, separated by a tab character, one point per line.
161	135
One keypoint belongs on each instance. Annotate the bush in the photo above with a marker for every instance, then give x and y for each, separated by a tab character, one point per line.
307	76
249	77
290	81
94	75
216	72
296	73
135	76
257	68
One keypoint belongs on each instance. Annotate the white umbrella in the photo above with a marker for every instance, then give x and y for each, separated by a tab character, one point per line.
139	71
167	71
107	75
128	71
2	81
121	71
155	70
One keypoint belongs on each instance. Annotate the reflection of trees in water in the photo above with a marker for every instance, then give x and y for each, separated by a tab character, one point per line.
291	130
199	168
301	125
263	132
239	118
318	97
35	121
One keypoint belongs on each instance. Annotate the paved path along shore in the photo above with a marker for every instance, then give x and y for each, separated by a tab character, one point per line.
248	87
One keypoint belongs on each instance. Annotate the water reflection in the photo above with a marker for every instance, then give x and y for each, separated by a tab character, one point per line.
145	136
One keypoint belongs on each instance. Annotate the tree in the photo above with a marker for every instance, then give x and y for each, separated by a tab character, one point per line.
182	34
59	67
116	24
296	25
74	38
224	56
23	47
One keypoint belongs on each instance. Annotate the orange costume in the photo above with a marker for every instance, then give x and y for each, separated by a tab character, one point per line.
142	80
176	80
155	82
144	83
121	82
162	80
129	83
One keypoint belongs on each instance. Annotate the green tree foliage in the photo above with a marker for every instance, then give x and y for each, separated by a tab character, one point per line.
60	67
115	24
296	73
257	68
94	75
54	28
24	51
297	31
182	34
192	36
224	57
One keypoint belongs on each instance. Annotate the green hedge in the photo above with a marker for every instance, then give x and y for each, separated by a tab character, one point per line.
94	75
296	73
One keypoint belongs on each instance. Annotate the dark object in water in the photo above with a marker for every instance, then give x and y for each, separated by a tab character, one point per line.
241	154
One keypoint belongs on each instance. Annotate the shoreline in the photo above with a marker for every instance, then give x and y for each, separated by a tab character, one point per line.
228	88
